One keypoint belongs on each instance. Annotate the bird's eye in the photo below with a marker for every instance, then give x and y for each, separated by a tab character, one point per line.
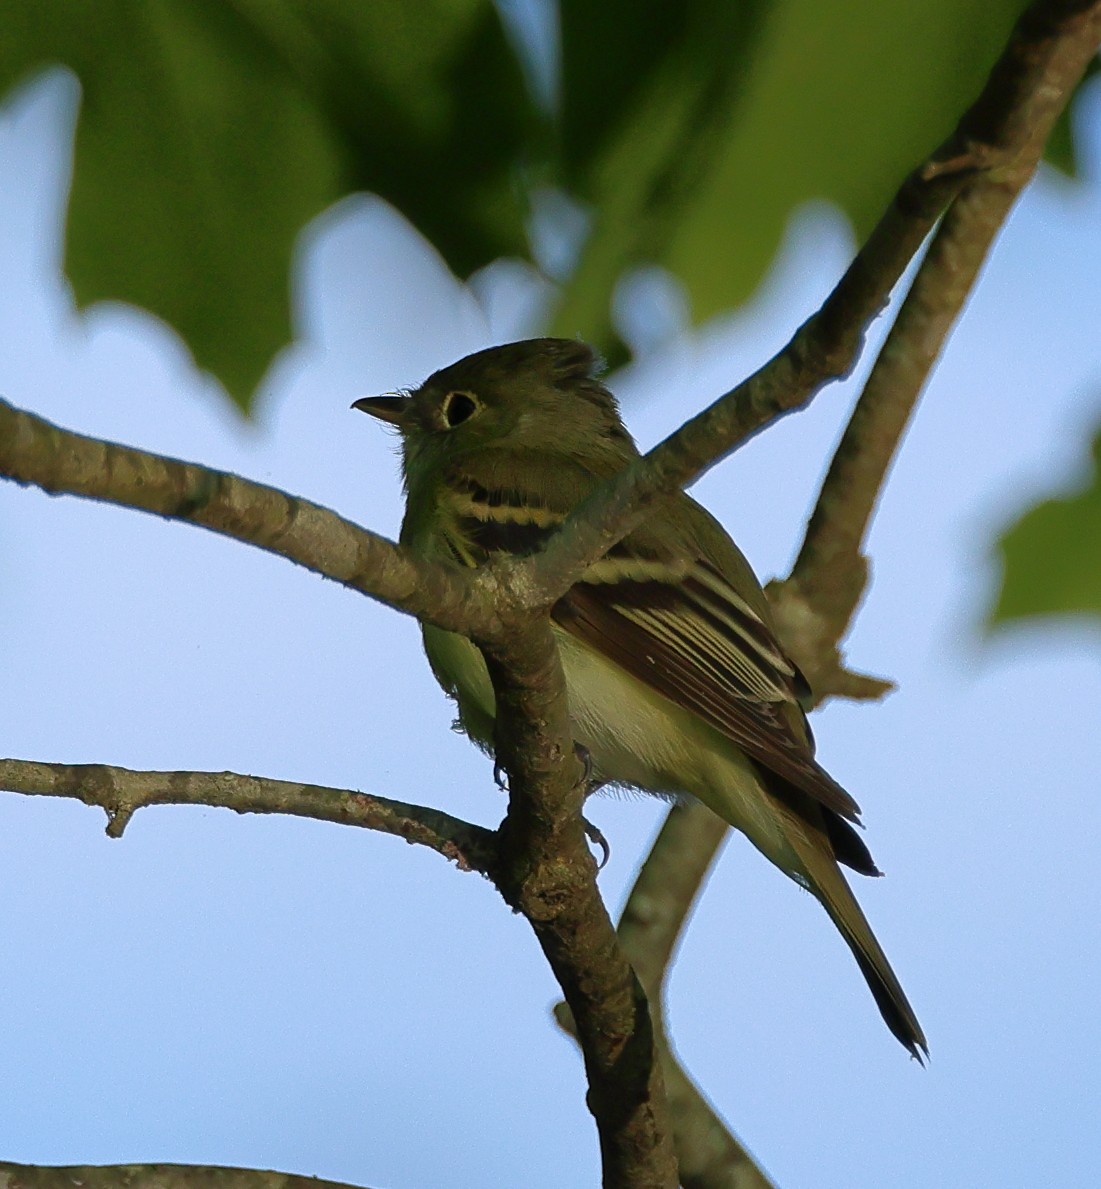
458	407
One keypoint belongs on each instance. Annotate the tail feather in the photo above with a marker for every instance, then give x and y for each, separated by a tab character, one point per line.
829	886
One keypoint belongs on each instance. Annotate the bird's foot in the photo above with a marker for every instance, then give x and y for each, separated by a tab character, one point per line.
586	782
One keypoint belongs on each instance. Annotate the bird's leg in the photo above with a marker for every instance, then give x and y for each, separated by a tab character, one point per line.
592	833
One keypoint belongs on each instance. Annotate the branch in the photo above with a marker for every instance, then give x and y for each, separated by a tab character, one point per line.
544	869
709	1155
539	862
153	1176
121	792
824	348
1000	138
1028	89
35	452
549	875
666	887
1007	128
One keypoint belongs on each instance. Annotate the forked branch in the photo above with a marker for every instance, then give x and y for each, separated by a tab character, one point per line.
994	151
539	858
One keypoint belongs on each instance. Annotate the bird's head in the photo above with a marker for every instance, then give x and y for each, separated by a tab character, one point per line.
539	397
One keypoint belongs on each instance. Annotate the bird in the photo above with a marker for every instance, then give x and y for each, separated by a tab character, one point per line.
676	681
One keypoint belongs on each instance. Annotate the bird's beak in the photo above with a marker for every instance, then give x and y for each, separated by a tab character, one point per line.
389	408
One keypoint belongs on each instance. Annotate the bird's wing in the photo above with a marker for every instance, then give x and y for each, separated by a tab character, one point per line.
675	623
691	637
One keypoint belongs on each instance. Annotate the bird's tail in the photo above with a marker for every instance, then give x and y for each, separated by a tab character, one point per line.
828	884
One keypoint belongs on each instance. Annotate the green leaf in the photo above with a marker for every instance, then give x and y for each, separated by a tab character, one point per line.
1052	556
694	130
211	133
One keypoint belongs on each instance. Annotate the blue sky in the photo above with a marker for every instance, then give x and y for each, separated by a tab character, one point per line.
286	994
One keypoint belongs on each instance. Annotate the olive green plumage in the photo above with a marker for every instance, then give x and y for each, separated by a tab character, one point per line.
676	681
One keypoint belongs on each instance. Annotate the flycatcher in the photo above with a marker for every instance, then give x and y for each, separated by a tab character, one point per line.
676	681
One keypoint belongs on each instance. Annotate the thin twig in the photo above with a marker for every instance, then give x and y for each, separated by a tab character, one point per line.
823	349
654	917
710	1155
666	887
538	867
120	792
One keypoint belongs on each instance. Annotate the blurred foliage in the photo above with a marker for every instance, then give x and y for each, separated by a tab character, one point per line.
1052	555
211	133
694	142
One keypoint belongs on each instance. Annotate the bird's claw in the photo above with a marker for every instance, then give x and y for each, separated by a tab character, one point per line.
592	833
585	759
596	837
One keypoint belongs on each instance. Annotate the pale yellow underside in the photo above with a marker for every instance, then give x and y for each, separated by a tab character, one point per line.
634	735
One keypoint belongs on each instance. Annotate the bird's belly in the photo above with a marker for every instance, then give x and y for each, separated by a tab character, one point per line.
626	727
634	735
